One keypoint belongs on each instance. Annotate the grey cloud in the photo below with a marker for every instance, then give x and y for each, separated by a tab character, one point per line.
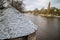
55	1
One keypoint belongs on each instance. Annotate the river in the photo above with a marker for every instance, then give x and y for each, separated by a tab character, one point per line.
48	27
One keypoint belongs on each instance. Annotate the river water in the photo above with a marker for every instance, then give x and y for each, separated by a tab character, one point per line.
48	27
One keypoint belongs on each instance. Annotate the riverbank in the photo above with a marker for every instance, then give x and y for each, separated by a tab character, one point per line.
47	27
49	15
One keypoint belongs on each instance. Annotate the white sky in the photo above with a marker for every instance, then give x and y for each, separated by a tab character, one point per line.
32	4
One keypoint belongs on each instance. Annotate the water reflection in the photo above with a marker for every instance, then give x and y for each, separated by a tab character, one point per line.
48	28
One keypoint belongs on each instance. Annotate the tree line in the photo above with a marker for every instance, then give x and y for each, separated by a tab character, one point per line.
19	5
53	11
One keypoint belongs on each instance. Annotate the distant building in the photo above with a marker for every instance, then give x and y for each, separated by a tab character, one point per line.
48	11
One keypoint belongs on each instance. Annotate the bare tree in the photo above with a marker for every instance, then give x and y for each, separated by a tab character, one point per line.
19	5
1	4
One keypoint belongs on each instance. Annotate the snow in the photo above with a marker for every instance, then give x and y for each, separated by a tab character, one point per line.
15	24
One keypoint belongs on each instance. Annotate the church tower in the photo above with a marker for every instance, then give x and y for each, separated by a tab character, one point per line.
48	11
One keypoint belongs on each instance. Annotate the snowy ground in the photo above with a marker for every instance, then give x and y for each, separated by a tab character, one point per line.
14	24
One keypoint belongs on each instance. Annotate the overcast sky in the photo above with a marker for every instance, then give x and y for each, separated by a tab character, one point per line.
32	4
